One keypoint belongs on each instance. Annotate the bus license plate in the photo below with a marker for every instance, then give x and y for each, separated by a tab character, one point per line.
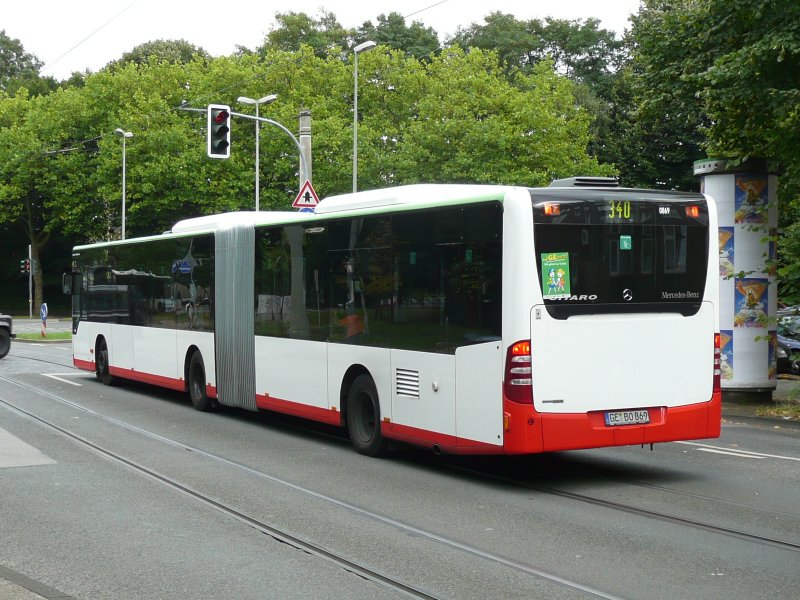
627	417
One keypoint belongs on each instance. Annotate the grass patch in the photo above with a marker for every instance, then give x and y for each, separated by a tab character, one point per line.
57	335
788	409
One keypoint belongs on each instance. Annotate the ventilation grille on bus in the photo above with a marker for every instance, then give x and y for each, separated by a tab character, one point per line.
407	383
607	182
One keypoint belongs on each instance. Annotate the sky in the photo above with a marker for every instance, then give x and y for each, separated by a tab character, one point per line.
76	35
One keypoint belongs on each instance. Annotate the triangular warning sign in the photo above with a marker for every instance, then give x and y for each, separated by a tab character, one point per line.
307	198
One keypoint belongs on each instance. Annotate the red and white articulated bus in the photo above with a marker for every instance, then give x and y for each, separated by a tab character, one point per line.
466	319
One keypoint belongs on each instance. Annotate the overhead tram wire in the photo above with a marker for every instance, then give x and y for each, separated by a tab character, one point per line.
103	26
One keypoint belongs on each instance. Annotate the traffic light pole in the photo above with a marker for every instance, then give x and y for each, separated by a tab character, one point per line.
303	165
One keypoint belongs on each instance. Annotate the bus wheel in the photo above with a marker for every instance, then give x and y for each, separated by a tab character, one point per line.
197	384
364	417
101	369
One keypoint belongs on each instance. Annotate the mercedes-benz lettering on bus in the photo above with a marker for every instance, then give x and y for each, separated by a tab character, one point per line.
467	319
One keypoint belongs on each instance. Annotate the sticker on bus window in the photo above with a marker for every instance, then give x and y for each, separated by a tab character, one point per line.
555	275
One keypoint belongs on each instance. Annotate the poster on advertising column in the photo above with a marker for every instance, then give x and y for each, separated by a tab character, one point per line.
726	353
726	250
751	198
751	302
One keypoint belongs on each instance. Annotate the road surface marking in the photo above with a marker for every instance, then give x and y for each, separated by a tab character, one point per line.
61	379
745	453
16	453
730	453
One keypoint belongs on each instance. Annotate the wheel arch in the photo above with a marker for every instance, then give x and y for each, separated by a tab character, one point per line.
190	352
101	339
349	377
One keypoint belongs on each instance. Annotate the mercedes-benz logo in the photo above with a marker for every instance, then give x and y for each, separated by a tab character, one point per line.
627	295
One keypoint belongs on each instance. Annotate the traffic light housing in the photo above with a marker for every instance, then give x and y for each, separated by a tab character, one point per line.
25	265
219	131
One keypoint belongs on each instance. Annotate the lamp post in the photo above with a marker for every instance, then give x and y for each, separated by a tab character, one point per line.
363	47
124	135
264	100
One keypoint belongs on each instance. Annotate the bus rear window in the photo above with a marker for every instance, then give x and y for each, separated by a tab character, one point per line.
603	251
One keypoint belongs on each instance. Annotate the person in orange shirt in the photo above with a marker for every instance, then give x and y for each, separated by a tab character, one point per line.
353	324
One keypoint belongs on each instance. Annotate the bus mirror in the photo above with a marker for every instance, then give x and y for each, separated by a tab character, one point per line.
66	283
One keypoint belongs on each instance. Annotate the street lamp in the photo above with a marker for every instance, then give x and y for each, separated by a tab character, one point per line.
124	135
264	100
363	47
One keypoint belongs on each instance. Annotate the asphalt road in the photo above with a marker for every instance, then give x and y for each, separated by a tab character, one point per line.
127	492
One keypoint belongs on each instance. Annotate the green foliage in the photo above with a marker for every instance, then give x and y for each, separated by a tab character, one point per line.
171	51
391	31
473	125
299	29
580	50
722	77
19	70
15	63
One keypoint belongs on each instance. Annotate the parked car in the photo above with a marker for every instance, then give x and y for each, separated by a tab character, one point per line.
6	333
789	343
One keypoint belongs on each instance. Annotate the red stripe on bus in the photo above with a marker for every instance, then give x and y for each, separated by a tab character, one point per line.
85	365
428	439
316	413
166	382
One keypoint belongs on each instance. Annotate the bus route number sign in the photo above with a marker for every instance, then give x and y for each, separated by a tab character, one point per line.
619	210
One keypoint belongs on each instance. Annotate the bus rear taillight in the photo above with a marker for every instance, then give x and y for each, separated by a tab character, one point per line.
517	382
717	364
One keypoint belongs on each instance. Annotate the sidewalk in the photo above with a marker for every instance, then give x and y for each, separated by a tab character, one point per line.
25	325
735	405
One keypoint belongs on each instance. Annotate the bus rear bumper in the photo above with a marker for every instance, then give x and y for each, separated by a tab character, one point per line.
563	431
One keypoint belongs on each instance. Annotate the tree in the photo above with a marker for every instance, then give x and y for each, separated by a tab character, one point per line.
391	31
469	124
578	49
171	51
294	30
20	70
15	63
722	77
668	120
22	197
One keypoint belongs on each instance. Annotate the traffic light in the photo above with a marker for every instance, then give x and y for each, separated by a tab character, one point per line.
25	265
219	131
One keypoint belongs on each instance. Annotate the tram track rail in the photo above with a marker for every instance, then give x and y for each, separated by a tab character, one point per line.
550	490
355	567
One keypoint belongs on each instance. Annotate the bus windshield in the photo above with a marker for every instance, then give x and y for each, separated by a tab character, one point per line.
604	251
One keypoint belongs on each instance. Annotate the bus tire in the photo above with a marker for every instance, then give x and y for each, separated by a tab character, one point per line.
101	367
364	417
196	382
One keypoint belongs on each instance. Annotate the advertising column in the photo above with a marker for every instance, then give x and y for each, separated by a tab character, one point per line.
745	194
